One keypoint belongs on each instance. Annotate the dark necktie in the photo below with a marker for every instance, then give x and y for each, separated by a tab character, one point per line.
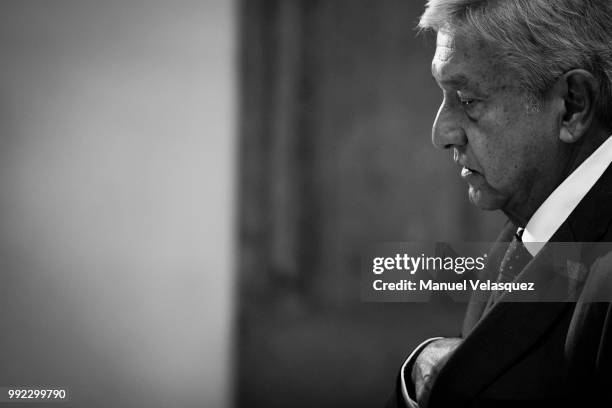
515	259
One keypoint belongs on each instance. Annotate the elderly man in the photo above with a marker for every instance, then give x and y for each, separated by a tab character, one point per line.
527	114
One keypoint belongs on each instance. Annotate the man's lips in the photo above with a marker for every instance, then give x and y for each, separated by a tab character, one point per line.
462	160
466	171
471	176
465	168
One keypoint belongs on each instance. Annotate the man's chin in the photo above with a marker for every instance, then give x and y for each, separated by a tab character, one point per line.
485	200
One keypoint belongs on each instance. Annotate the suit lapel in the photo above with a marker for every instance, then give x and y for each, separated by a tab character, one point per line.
498	340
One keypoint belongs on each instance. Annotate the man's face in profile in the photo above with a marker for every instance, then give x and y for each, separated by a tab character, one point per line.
508	149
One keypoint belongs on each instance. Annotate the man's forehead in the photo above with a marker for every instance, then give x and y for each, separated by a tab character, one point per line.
445	45
441	66
459	64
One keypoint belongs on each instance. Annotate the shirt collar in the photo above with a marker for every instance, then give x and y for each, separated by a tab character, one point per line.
559	205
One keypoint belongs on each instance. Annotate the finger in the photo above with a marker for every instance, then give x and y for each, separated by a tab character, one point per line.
423	398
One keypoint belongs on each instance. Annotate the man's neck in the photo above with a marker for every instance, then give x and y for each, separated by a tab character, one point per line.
578	152
584	148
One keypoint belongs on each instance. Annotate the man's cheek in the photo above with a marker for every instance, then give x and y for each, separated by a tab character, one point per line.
498	178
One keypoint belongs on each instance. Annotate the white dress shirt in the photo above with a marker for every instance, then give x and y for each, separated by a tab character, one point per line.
559	205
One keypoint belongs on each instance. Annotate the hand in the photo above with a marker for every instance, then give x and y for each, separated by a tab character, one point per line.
428	365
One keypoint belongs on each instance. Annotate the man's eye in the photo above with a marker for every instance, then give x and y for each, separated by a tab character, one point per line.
464	100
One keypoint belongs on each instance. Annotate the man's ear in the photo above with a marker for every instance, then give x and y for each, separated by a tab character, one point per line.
579	91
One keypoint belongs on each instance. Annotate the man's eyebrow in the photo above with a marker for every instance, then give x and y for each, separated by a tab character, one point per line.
460	82
457	82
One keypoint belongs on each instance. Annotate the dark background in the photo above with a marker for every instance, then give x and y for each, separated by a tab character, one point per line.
336	105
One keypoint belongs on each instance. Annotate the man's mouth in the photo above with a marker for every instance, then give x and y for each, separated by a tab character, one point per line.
467	172
467	169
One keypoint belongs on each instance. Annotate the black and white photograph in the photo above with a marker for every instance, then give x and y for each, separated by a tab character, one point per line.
306	203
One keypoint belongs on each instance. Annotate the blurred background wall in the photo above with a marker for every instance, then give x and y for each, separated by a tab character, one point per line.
117	168
337	103
121	162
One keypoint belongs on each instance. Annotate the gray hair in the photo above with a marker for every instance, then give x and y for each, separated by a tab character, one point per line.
540	40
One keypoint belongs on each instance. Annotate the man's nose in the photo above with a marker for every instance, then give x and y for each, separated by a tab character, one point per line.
447	131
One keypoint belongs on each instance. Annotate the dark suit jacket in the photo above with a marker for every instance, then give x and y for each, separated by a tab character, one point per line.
545	353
